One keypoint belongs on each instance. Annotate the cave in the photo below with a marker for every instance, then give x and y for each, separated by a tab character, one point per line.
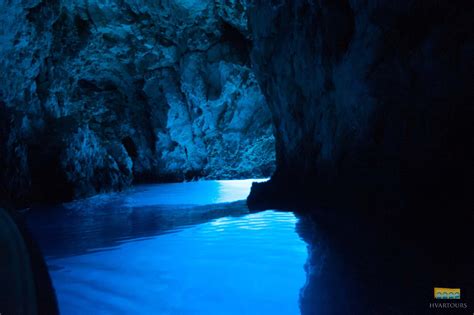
236	157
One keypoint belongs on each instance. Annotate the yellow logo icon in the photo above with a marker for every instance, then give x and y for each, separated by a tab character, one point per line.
447	293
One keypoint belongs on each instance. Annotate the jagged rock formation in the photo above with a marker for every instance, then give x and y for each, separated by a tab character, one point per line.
370	100
97	94
367	98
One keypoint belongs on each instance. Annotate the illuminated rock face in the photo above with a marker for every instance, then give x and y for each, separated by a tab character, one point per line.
367	98
370	99
96	94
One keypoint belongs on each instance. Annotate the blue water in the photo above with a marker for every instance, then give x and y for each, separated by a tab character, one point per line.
188	248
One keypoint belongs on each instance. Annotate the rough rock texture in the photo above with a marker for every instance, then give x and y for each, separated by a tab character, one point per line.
372	101
98	94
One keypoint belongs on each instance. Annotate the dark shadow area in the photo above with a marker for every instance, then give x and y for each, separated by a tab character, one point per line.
26	286
386	265
240	45
130	147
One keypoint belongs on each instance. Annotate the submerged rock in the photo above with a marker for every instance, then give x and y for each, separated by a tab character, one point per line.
96	95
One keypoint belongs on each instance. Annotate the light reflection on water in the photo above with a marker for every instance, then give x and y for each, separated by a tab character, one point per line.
148	251
191	193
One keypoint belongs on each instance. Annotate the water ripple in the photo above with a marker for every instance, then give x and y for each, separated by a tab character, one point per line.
172	259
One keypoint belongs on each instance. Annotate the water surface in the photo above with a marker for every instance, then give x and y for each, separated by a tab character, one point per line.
189	248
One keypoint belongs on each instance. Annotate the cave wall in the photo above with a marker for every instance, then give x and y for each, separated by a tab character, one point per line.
96	95
370	100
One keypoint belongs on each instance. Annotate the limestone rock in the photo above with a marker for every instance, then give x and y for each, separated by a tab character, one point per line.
98	94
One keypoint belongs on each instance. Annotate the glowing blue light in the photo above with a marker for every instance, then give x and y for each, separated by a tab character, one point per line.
245	264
